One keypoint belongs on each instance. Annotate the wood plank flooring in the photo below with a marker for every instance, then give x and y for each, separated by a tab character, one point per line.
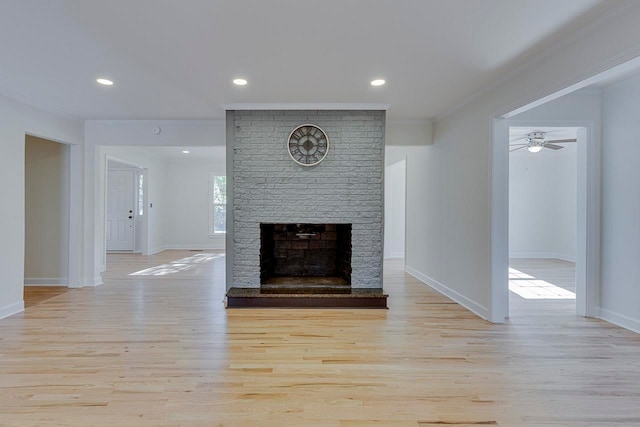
154	346
34	295
542	284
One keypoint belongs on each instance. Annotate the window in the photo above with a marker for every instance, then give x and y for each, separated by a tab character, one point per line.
218	205
140	194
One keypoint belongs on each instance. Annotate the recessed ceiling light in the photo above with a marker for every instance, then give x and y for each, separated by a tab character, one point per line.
105	82
185	151
239	82
377	82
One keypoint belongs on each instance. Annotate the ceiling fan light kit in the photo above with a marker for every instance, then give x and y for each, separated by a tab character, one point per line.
535	145
536	142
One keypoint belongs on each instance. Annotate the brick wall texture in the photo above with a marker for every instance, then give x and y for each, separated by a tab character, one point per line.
346	187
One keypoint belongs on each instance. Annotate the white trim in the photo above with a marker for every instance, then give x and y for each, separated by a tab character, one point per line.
158	249
588	211
395	255
470	305
197	247
305	106
542	255
97	281
46	281
11	309
52	109
499	205
90	283
630	64
619	319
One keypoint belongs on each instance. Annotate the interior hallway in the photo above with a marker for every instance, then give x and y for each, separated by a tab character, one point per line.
154	346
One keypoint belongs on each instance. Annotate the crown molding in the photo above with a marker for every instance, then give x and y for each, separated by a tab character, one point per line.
306	106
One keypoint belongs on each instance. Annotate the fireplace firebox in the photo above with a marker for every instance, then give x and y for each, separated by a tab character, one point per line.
305	256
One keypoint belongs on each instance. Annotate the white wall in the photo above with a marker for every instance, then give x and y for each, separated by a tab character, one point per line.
620	271
408	133
416	200
406	141
542	203
453	246
394	208
188	213
46	212
16	120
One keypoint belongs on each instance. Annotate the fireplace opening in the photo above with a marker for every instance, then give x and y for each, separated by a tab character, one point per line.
305	256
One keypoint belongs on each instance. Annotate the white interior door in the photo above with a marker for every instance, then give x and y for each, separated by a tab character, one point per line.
120	210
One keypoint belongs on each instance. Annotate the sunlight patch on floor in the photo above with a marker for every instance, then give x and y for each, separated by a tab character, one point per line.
517	274
177	266
529	287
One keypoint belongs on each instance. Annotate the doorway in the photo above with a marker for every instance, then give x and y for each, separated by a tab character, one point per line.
120	229
543	225
587	235
395	178
47	219
124	207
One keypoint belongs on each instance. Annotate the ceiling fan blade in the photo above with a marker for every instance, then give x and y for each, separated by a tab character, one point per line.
519	148
515	145
561	140
553	146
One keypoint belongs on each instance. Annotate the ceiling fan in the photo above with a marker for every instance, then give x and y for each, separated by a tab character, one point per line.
536	142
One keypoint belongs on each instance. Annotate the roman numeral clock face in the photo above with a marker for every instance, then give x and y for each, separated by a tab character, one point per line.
308	145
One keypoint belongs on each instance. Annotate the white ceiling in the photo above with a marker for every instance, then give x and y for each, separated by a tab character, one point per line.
175	59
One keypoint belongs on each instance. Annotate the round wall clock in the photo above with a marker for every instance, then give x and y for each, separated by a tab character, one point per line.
308	145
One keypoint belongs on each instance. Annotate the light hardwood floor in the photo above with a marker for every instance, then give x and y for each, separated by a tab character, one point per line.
545	288
160	350
34	295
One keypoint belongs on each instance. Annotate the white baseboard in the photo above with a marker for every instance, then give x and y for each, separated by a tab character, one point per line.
543	255
619	320
157	250
46	281
11	309
88	283
190	247
470	305
197	247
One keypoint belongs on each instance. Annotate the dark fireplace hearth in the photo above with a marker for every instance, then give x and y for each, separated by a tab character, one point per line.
312	258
